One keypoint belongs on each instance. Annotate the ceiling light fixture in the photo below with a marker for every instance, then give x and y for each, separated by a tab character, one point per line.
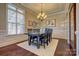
41	16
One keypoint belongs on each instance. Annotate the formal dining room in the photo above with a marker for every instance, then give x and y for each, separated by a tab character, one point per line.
38	29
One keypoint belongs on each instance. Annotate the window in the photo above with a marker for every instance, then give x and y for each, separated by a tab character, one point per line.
15	20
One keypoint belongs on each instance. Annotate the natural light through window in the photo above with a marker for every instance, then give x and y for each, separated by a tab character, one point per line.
15	20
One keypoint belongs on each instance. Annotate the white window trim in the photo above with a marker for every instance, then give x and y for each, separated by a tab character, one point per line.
16	20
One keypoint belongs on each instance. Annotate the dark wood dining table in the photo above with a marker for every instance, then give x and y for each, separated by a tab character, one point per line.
34	34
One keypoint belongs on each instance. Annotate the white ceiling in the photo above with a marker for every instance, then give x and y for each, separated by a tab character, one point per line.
47	7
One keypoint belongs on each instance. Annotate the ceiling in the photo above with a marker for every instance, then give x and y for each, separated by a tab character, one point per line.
47	7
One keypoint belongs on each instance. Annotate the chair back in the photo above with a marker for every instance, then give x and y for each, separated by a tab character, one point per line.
48	30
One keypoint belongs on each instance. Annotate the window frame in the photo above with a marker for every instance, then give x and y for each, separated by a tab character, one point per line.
17	8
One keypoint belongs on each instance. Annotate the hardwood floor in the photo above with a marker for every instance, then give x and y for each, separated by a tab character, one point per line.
63	48
14	50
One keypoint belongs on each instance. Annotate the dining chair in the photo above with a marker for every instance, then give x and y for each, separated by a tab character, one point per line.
33	39
44	38
50	34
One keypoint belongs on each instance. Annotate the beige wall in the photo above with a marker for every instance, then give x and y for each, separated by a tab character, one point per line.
67	21
29	16
2	18
59	30
67	26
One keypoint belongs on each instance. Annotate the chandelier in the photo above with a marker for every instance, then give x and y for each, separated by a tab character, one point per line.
41	16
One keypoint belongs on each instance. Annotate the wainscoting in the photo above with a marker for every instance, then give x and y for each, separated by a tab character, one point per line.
8	40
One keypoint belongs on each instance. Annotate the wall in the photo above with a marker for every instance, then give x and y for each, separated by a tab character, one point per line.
2	21
30	16
67	22
59	30
2	18
77	27
67	27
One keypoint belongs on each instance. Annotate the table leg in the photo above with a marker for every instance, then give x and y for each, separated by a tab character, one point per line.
29	41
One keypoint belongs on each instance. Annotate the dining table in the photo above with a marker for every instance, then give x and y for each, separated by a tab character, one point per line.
32	35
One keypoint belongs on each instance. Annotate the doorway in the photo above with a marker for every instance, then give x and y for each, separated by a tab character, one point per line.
72	28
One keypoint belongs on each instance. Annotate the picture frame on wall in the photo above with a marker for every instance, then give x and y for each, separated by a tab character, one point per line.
52	22
32	23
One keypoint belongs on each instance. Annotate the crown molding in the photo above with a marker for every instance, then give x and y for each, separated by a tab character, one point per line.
60	12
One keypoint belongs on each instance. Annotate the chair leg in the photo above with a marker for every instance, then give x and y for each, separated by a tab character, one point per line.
41	42
47	42
44	43
49	38
38	46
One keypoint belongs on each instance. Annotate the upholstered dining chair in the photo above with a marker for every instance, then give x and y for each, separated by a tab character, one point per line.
34	39
44	38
